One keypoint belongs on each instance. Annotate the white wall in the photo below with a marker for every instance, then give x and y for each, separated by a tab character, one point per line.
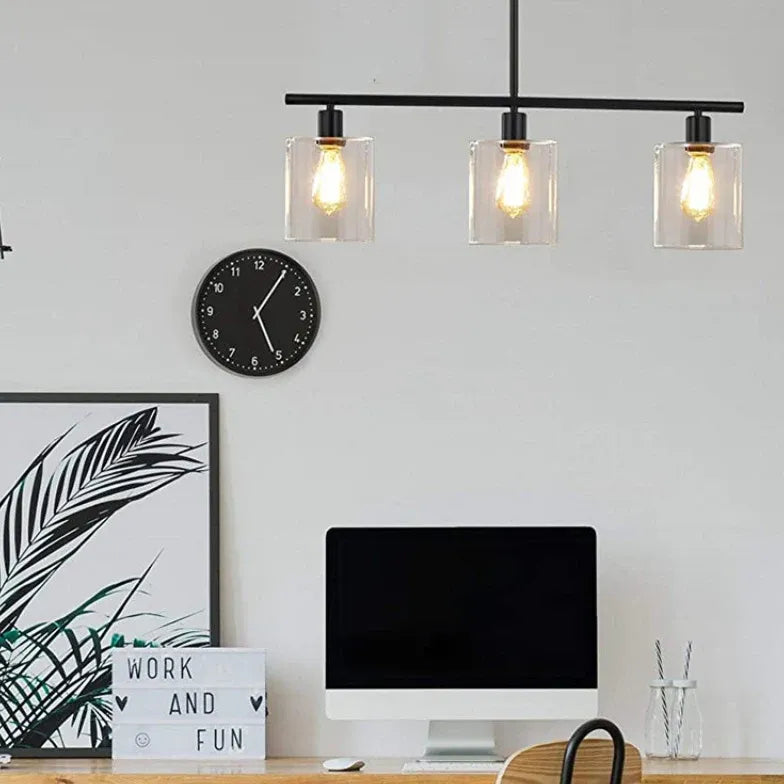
597	382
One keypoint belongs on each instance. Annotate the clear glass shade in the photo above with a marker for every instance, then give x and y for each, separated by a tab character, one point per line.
329	189
698	198
512	193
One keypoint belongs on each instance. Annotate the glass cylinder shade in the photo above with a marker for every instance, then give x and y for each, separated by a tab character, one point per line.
697	198
329	189
512	193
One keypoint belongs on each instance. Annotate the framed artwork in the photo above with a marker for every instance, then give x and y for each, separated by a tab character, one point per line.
108	539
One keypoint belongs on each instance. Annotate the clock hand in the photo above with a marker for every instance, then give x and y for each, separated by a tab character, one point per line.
264	330
257	309
270	293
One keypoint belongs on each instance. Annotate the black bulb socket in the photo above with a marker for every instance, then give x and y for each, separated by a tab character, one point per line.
330	123
698	130
514	126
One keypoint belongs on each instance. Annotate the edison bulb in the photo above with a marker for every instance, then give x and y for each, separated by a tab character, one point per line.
513	190
329	180
698	192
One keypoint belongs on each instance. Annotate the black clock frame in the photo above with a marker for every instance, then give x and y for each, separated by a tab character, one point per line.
201	330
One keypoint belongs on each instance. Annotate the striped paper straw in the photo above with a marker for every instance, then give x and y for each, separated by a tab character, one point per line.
682	697
660	666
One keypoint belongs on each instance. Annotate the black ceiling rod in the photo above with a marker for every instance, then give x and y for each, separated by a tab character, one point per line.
514	53
513	122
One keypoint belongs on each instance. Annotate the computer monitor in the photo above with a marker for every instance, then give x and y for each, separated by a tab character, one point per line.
461	624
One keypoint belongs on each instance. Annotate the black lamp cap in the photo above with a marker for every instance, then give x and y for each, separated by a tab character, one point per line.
698	129
513	126
330	123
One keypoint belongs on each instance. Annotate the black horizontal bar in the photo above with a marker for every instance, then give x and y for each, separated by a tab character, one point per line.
523	102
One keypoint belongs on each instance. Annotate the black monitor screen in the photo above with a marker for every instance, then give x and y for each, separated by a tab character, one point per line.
461	608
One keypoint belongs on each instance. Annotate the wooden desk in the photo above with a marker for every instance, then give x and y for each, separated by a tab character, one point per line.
378	771
714	771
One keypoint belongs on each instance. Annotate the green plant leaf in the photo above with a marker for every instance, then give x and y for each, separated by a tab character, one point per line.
47	700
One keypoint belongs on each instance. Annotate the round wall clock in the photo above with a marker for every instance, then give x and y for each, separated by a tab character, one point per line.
256	312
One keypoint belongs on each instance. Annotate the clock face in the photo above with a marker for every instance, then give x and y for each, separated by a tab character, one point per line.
256	312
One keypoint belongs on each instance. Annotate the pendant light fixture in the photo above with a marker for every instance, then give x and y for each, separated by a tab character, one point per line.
513	180
329	184
698	199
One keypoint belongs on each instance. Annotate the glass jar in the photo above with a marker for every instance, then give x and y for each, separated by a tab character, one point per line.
685	721
657	719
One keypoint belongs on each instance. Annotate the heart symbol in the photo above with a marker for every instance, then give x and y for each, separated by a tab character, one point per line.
256	702
121	702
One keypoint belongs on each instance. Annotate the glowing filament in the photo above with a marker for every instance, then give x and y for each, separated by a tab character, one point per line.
329	180
513	190
698	192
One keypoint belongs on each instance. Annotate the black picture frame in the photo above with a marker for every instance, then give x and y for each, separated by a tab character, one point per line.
213	467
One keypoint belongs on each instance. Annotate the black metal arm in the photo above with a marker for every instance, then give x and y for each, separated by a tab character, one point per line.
3	248
522	102
514	101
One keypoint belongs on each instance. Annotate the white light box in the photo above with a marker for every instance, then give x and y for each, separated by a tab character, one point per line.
188	703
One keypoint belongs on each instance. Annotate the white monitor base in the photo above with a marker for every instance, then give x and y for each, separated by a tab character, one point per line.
461	741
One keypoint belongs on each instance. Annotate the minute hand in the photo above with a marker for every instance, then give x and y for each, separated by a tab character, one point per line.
270	292
264	330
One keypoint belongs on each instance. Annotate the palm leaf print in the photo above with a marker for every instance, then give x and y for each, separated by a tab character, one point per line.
55	675
49	514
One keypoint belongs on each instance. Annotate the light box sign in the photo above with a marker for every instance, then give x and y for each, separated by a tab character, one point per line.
188	703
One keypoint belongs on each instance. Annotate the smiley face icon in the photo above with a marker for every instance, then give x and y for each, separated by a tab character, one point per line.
142	740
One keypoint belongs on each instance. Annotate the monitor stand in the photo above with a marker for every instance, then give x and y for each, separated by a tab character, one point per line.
461	741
